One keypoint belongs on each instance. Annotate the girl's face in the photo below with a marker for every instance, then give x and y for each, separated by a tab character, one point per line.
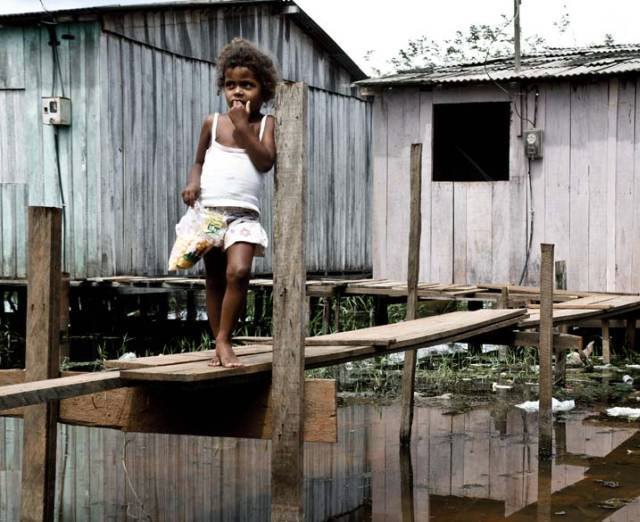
240	84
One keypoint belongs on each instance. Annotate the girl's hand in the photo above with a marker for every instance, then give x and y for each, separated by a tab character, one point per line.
239	115
190	194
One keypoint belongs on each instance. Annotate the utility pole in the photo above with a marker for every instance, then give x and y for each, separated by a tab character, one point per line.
516	34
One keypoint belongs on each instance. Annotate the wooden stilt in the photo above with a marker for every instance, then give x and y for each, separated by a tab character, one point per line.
64	316
630	333
406	484
545	419
606	342
474	348
326	315
381	311
42	361
415	218
336	312
289	297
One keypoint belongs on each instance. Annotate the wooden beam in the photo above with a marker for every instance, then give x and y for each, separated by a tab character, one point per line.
42	361
545	418
180	411
40	392
509	337
289	294
413	273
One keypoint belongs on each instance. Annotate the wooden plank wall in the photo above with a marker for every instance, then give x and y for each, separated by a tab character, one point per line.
584	190
137	113
201	33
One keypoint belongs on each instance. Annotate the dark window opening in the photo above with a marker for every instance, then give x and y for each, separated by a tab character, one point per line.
471	141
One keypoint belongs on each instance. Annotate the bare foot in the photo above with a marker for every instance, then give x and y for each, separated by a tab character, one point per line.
225	355
215	361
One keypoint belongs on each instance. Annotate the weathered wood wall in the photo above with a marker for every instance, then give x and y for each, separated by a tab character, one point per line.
584	188
141	84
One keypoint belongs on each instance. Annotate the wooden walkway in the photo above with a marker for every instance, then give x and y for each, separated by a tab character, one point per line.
336	348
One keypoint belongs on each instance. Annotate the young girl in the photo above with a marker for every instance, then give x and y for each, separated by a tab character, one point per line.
234	152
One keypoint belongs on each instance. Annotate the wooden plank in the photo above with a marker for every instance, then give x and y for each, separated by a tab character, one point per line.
419	333
545	351
42	360
413	273
287	493
178	358
41	391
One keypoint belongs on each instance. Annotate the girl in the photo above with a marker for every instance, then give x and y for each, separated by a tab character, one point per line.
234	151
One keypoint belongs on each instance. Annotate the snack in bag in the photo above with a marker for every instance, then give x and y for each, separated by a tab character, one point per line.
198	231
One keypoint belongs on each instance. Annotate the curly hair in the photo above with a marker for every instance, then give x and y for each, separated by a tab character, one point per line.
242	53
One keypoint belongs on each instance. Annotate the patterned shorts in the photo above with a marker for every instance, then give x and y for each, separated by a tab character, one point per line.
243	226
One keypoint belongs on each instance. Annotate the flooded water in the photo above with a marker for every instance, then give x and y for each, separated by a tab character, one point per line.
480	465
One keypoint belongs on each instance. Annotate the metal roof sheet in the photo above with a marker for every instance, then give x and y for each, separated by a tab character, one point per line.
552	63
296	13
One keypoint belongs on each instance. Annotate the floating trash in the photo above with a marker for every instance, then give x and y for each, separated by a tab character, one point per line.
495	387
608	483
629	413
129	356
556	405
627	379
614	503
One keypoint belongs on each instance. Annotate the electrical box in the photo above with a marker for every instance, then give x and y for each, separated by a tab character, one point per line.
533	143
56	111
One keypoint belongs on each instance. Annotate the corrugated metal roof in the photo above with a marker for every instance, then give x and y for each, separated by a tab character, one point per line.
295	12
552	63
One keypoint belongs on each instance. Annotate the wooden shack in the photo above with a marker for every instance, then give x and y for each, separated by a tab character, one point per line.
485	204
141	80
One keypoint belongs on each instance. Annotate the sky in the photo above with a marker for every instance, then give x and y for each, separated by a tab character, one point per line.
359	26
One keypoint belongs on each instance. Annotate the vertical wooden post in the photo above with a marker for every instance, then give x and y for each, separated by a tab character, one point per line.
64	316
606	342
545	416
381	310
326	315
561	275
336	310
406	484
413	272
630	332
289	277
42	361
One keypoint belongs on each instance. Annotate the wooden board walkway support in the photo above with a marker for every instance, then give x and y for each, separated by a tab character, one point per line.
413	273
545	352
42	360
289	298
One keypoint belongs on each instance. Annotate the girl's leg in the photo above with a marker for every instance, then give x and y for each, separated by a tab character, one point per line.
239	259
215	263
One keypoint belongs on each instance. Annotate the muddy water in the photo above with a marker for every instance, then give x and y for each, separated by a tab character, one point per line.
472	466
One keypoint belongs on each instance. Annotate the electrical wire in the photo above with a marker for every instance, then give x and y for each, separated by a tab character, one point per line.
57	74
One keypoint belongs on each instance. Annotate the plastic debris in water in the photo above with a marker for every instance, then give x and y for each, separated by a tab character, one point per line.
629	413
127	356
627	379
608	483
614	503
495	387
556	405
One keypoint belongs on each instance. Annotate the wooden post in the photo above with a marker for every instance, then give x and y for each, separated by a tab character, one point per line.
545	351
606	342
381	310
42	361
64	316
289	296
630	332
336	310
326	315
413	271
561	275
406	484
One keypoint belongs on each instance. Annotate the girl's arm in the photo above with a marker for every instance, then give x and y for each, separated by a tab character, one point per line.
191	192
261	153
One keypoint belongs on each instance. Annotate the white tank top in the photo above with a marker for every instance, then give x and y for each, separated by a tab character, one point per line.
228	178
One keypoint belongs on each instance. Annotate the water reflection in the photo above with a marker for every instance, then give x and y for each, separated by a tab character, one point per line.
480	465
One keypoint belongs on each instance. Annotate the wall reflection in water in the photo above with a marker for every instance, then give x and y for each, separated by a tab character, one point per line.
480	465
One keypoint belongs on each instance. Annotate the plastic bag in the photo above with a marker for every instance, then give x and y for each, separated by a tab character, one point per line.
198	231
